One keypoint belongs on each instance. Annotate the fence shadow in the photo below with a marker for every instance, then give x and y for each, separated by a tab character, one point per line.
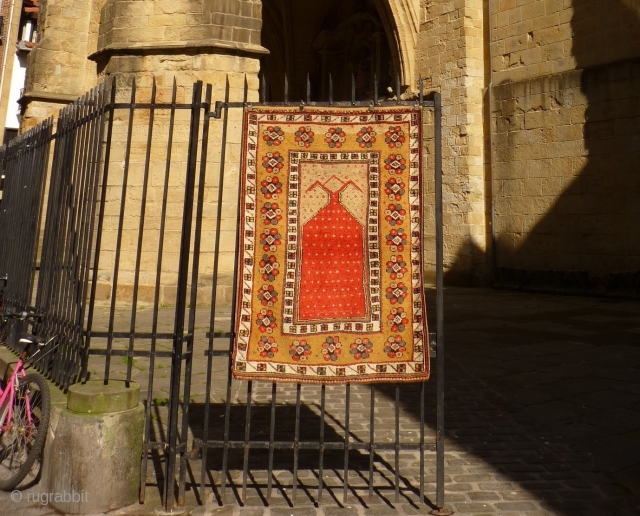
283	458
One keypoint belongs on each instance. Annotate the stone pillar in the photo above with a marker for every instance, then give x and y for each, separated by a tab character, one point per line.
58	70
189	39
95	445
11	12
451	59
185	40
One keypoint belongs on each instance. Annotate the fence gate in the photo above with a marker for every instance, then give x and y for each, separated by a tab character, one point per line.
137	275
300	443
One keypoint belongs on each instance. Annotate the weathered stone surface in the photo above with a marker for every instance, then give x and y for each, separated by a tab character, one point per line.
94	397
98	455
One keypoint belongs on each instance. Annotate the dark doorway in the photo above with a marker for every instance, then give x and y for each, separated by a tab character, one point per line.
340	39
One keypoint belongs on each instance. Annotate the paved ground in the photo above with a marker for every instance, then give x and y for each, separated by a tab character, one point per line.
543	418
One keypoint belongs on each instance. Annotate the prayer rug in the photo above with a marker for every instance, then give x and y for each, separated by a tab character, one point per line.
330	288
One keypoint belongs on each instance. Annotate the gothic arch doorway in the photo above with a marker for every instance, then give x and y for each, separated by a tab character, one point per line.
340	39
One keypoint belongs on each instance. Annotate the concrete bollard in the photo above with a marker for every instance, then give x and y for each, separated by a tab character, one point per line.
95	448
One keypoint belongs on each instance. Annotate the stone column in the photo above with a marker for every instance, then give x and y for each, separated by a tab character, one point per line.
11	12
185	41
58	70
451	58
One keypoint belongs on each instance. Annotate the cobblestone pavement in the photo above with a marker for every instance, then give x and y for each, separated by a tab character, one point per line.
542	417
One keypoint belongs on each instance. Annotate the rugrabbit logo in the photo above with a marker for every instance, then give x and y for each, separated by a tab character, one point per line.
46	498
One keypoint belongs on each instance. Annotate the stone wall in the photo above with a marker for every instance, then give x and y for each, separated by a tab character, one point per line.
566	125
533	38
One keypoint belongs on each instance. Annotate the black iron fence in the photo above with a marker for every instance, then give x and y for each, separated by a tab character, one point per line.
23	163
136	276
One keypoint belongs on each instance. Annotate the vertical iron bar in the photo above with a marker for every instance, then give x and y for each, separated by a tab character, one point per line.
296	446
156	299
181	293
98	134
439	308
47	270
116	267
272	432
143	211
353	89
422	389
247	435
83	206
347	396
66	289
194	288
423	386
330	89
225	453
286	89
66	226
323	392
375	89
61	241
372	446
397	445
214	295
70	290
103	199
308	88
398	88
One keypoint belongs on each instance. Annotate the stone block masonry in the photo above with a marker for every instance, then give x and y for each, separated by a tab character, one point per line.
567	148
566	138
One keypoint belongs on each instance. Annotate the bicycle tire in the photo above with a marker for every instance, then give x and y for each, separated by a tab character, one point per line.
21	446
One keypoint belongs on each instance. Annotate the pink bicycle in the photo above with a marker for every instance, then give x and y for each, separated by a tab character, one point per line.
25	403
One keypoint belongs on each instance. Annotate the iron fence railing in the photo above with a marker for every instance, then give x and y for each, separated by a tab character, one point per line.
137	266
23	164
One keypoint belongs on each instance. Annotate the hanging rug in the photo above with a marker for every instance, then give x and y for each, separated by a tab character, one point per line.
330	287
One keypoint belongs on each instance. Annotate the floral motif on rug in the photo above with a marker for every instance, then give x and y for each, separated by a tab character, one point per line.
330	288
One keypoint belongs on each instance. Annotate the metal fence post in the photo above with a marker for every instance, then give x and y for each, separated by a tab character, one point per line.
181	302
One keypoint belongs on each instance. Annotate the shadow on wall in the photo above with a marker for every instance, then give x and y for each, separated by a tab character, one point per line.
467	269
588	240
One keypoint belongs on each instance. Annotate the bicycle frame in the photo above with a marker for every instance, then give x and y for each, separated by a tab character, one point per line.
9	392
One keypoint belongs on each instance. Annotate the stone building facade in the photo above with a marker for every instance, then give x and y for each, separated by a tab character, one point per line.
541	104
18	19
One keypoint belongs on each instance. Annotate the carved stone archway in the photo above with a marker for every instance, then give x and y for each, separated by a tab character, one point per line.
338	38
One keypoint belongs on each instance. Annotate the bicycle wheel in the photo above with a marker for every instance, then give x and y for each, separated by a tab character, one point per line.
21	444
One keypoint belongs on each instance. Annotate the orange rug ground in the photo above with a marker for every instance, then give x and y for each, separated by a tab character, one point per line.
330	288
